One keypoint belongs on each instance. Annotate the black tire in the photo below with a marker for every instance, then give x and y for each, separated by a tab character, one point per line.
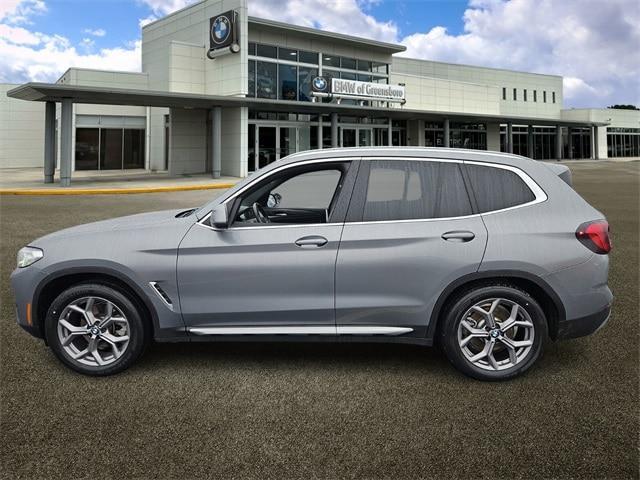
453	316
139	333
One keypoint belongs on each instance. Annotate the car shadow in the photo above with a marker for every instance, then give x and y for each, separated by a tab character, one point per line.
323	355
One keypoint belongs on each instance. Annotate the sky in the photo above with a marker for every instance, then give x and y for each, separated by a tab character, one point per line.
593	44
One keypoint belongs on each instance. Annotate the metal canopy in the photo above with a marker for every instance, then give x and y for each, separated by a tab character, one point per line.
49	92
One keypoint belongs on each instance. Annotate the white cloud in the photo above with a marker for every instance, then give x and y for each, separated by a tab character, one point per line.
593	44
19	11
342	16
19	35
164	7
34	56
147	20
54	55
98	32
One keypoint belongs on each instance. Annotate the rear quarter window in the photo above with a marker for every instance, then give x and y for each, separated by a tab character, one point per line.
497	188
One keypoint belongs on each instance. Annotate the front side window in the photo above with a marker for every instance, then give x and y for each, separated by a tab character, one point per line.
292	197
407	190
497	188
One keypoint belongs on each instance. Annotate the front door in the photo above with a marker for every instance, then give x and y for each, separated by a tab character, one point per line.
272	270
409	233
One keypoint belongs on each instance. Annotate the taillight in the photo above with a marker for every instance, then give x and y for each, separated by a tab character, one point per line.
595	236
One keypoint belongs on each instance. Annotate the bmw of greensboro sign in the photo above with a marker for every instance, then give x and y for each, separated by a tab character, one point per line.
366	89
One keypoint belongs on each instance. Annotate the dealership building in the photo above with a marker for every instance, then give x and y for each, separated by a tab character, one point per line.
224	93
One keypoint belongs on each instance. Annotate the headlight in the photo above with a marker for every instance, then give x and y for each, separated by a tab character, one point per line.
28	256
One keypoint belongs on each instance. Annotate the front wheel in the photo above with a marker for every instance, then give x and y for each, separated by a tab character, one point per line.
95	329
493	332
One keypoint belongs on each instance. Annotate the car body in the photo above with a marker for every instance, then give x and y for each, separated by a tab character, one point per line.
365	244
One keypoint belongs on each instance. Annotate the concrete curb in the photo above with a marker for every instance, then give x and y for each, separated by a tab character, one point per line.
111	191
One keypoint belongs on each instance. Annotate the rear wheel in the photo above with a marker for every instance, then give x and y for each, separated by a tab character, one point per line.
95	329
493	332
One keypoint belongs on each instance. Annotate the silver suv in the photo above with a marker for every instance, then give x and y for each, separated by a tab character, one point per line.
486	254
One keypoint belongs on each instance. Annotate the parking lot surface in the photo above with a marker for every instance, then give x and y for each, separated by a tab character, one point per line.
321	410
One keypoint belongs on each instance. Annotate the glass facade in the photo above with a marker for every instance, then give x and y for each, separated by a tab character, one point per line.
109	148
623	142
461	135
544	139
286	74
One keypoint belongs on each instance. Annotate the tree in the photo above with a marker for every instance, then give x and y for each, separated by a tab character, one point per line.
624	107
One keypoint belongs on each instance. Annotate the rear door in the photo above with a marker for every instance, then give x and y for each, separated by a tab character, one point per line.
410	231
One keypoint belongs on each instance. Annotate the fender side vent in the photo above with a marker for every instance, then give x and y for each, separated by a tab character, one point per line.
161	293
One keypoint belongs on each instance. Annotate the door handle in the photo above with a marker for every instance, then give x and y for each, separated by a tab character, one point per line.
459	236
311	241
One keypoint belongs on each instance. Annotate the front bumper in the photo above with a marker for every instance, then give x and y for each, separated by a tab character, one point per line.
580	327
23	283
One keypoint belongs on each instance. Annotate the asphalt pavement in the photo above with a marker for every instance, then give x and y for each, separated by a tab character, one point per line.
274	411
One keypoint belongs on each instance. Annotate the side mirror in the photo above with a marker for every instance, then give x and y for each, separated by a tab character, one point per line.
274	200
219	217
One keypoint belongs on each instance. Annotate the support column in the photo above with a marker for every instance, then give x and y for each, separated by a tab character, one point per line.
530	146
558	142
592	141
49	141
66	140
509	137
390	132
447	133
216	141
334	130
319	131
570	143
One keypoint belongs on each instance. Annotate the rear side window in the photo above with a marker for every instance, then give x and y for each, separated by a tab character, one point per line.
407	190
497	188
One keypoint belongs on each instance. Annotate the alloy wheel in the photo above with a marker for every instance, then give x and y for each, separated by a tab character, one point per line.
93	331
496	334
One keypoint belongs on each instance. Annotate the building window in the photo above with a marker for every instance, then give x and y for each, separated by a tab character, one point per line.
553	96
504	93
515	94
525	94
535	95
621	142
109	148
251	90
468	135
305	77
331	61
544	96
287	54
287	81
266	79
268	51
308	57
349	63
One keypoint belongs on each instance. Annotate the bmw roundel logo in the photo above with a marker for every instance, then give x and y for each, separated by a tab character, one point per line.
319	84
220	30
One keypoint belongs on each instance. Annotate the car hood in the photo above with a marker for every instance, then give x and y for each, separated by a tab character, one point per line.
141	221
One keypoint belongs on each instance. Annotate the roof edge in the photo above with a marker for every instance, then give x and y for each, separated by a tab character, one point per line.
391	47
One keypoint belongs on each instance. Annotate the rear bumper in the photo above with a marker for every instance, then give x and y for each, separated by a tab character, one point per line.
580	327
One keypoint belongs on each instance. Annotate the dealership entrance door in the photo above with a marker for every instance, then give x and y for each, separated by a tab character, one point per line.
356	136
271	142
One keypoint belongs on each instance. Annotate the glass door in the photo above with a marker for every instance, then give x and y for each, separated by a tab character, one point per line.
266	145
348	137
364	137
288	142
